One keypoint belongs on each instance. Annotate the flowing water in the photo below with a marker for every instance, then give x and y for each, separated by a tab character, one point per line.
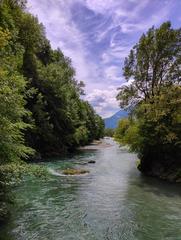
113	201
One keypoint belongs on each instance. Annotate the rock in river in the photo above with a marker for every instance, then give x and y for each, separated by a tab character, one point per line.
91	161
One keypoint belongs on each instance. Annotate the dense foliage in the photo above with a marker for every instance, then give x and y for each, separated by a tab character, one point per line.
154	95
108	132
41	110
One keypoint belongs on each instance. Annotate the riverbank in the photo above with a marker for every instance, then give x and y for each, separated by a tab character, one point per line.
171	174
96	144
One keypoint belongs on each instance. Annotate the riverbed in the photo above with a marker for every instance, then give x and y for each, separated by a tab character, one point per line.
112	202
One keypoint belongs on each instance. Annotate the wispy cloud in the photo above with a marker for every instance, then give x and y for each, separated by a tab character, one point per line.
104	101
97	35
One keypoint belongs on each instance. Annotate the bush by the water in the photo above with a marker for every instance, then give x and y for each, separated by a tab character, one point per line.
108	132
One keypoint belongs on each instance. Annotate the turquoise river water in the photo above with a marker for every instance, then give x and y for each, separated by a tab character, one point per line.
113	202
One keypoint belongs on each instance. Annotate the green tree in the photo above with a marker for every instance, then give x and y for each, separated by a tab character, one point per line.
121	129
160	132
12	87
155	95
109	132
152	63
12	111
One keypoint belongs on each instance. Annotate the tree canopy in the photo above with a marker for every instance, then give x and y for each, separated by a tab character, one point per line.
154	62
152	70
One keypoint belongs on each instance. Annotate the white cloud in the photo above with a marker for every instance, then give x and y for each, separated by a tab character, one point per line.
113	73
102	6
104	101
98	52
118	53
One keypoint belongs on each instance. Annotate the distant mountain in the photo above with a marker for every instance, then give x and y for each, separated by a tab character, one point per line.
112	121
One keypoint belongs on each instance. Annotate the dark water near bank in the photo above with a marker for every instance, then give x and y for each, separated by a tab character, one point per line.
112	202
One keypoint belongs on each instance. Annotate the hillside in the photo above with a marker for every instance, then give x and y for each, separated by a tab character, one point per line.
112	121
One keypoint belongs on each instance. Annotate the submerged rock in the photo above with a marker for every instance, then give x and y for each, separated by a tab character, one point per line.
92	161
72	171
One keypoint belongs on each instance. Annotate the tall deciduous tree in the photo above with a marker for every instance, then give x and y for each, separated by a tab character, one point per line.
154	68
152	63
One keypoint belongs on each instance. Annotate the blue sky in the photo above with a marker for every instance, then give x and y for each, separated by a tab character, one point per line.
98	34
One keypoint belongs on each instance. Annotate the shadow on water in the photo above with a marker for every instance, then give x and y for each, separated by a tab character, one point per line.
160	187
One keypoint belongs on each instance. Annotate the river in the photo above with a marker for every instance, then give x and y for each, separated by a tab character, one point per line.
113	202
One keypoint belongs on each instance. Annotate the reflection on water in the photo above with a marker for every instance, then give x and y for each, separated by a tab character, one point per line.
112	202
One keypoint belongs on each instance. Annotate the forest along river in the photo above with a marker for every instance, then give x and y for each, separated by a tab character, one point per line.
113	201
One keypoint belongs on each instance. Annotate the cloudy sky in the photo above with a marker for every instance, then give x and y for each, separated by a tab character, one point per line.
98	34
